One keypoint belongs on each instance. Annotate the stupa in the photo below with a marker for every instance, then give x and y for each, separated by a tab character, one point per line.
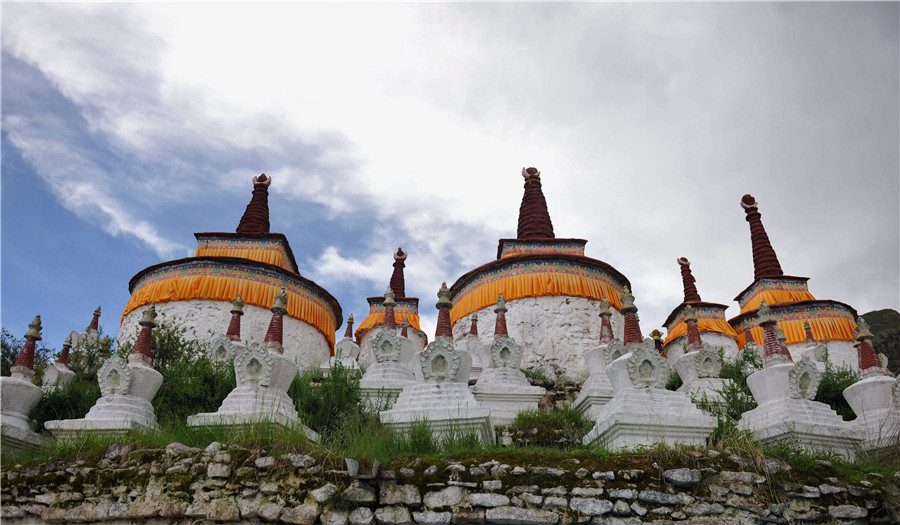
791	303
784	392
252	263
700	364
126	388
875	399
59	374
18	396
390	356
597	390
346	352
502	387
223	348
440	397
405	308
549	285
711	323
479	352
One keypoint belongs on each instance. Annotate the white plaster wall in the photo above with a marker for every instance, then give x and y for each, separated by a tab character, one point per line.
839	353
715	339
303	343
553	331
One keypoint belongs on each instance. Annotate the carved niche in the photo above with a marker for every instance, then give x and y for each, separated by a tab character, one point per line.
386	346
506	353
708	362
646	368
614	350
440	361
804	379
254	366
221	349
114	377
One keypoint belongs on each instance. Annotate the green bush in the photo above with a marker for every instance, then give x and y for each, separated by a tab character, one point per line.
564	427
831	388
734	398
674	382
332	403
71	401
191	386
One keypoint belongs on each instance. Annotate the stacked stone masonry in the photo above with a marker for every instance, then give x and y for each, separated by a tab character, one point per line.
179	484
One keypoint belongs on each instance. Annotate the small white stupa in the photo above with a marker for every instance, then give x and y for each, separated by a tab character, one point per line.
784	392
700	364
479	351
126	388
263	375
390	356
642	411
18	396
58	374
597	390
441	397
346	353
224	348
875	398
502	387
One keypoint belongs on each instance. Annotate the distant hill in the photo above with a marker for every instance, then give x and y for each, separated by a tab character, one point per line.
885	326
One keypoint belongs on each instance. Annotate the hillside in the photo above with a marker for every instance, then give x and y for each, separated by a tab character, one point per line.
885	326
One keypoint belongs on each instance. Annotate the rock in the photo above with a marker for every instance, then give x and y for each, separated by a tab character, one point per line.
393	494
703	509
847	512
621	493
305	514
218	470
430	471
177	449
532	499
53	515
825	463
269	511
116	450
301	460
362	516
49	499
270	487
555	491
582	473
630	474
456	467
468	517
194	510
858	492
678	515
743	477
117	510
323	493
659	498
488	500
621	508
774	466
9	512
682	477
741	488
519	489
249	506
517	516
591	506
86	512
518	471
604	476
334	516
555	503
393	515
359	492
143	510
662	511
222	457
432	518
407	472
548	471
744	463
212	449
492	484
827	490
264	462
477	471
468	485
448	497
589	492
222	510
172	509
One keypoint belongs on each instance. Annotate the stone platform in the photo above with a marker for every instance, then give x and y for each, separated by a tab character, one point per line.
446	407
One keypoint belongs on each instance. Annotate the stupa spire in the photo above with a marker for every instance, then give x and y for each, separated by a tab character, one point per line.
606	333
389	320
765	262
810	338
256	216
63	358
234	327
687	278
275	334
500	309
143	346
443	305
657	340
95	321
473	328
404	331
534	219
348	333
869	364
398	282
693	333
774	352
26	356
632	325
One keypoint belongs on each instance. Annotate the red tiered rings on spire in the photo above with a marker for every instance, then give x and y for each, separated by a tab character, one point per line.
693	333
500	310
687	279
398	282
144	346
25	358
63	358
275	334
256	216
234	327
389	320
606	333
443	305
869	364
632	325
473	328
774	352
348	333
765	262
95	321
534	219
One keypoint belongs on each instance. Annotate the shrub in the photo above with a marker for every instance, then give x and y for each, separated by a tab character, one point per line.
561	428
831	388
332	403
71	401
191	386
734	398
674	382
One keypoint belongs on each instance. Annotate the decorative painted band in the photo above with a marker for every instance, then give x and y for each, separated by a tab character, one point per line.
774	290
249	241
270	251
510	247
829	321
704	325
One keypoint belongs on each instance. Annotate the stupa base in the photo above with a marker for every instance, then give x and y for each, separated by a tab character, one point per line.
115	414
17	441
448	409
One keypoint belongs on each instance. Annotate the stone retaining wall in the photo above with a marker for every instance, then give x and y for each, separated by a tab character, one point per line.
180	485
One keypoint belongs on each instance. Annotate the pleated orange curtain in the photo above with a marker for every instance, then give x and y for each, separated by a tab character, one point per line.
823	329
704	325
534	284
378	318
219	288
275	257
777	296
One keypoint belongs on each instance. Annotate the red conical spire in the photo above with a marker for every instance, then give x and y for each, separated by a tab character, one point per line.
234	327
348	333
810	339
500	309
143	346
26	356
774	352
95	321
534	219
404	330
657	340
63	358
256	216
275	334
765	262
389	320
473	328
629	310
398	283
693	333
606	333
687	278
443	305
869	364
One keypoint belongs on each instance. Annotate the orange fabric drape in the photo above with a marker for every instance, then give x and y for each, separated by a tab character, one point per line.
777	296
823	329
705	325
275	257
378	318
534	284
218	288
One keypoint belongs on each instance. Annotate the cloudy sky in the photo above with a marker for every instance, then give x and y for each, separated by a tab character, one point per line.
128	127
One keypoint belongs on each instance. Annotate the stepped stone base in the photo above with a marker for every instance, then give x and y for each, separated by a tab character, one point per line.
646	416
383	382
706	385
506	392
446	407
17	441
596	392
804	423
112	414
247	405
877	412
